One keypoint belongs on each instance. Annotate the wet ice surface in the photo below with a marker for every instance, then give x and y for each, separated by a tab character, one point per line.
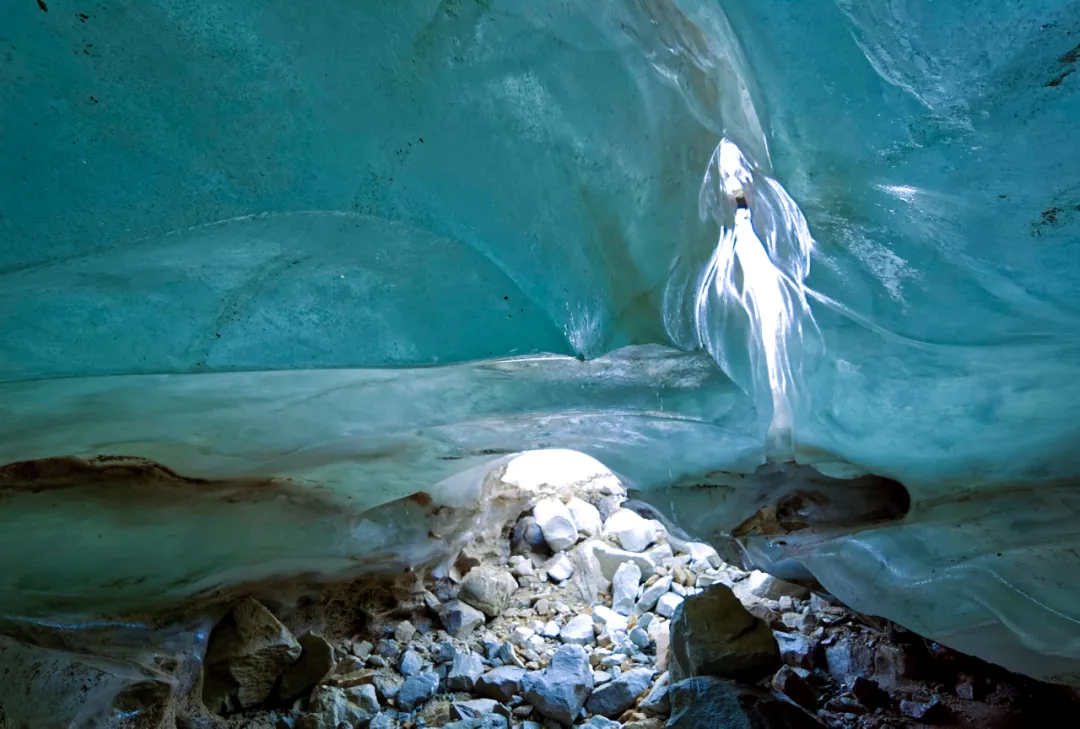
362	251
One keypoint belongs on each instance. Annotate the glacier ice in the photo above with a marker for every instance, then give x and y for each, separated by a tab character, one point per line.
314	258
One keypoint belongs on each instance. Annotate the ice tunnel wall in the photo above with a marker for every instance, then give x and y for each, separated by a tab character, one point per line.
362	248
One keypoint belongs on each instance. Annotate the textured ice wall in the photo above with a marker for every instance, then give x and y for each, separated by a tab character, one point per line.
256	240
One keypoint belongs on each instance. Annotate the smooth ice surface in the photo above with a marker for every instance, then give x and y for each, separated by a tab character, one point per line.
366	247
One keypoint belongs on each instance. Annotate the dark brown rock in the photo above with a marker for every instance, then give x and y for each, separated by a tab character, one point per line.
315	664
869	694
789	682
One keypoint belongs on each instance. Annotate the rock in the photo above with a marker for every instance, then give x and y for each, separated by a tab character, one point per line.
559	567
555	522
491	721
634	532
465	670
509	656
434	713
700	551
416	690
795	650
488	589
600	722
625	587
658	554
520	635
387	683
712	634
652	723
578	630
706	702
460	618
848	657
364	697
404	631
527	537
802	622
384	720
474	709
651	595
411	663
639	637
845	706
586	517
500	684
316	662
247	651
668	604
615	697
444	652
661	635
895	662
329	708
605	617
929	712
362	649
551	629
795	687
870	695
609	558
766	587
521	566
656	702
560	690
388	648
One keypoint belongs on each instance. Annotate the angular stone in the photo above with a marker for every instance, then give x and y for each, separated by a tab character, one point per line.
668	604
559	567
795	650
766	587
316	662
460	618
365	697
474	709
848	657
560	690
416	690
527	537
618	695
605	617
501	683
795	687
247	651
465	670
651	595
634	532
706	702
488	589
411	663
578	630
869	694
625	586
586	517
331	708
712	634
555	522
404	631
639	637
609	559
656	701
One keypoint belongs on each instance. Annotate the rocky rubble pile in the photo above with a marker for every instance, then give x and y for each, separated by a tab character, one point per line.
588	615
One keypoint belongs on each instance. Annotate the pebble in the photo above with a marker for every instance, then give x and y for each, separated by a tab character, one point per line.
555	523
633	532
666	605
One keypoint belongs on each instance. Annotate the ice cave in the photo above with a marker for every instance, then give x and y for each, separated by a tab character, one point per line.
286	288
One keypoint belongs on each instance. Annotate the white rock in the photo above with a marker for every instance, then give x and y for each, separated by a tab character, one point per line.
659	553
645	620
559	567
700	567
634	532
600	677
615	659
700	550
605	617
521	566
536	644
586	516
767	587
551	629
651	594
666	605
578	631
678	589
555	522
625	588
520	635
609	558
639	637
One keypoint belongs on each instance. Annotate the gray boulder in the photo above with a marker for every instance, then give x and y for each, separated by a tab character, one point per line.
712	634
416	690
465	670
559	691
705	702
460	618
247	651
619	694
488	589
501	684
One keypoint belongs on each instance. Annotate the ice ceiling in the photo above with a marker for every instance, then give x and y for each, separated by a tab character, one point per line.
365	249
